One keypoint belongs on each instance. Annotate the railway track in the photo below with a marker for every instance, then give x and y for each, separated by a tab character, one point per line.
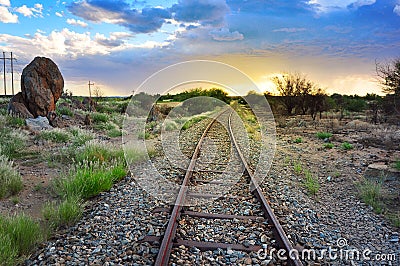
219	194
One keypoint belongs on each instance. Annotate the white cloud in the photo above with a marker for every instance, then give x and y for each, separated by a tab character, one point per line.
78	22
396	10
324	6
58	14
224	34
30	11
64	43
6	16
290	30
5	3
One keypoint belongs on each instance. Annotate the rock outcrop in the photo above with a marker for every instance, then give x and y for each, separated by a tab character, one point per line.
41	86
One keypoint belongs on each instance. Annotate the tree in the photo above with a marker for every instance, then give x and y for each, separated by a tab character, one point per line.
317	102
389	75
294	90
98	93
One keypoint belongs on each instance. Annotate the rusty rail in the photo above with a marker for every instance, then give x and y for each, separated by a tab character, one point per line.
277	229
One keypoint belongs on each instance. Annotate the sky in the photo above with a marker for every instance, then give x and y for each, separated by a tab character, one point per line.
119	44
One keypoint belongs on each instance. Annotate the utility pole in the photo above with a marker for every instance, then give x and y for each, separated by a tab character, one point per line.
12	73
4	73
90	96
4	58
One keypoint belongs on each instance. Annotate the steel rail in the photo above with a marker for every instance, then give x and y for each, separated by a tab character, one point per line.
169	235
277	229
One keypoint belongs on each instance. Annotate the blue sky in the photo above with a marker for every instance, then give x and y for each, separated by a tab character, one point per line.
118	44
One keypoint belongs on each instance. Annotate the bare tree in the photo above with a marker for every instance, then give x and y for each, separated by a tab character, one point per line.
98	93
294	90
389	75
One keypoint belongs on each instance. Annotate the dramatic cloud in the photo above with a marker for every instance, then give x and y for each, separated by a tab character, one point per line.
120	13
6	16
35	11
78	22
290	30
203	11
224	34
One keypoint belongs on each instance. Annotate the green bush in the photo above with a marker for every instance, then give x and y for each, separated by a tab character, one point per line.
68	212
55	135
99	118
324	135
298	140
10	179
328	146
311	183
346	146
370	193
23	233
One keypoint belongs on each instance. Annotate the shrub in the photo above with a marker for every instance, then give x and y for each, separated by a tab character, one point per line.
298	140
105	126
55	135
170	125
144	135
10	179
99	118
324	135
67	212
23	233
370	193
311	183
328	146
346	146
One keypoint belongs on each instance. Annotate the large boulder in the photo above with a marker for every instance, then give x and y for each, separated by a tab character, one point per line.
41	86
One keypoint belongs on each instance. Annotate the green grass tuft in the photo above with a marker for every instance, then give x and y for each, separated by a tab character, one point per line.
15	121
10	179
370	193
328	146
68	212
64	111
89	179
55	135
297	167
8	251
21	232
298	140
193	121
397	164
99	118
346	146
80	136
324	135
114	133
11	142
311	183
